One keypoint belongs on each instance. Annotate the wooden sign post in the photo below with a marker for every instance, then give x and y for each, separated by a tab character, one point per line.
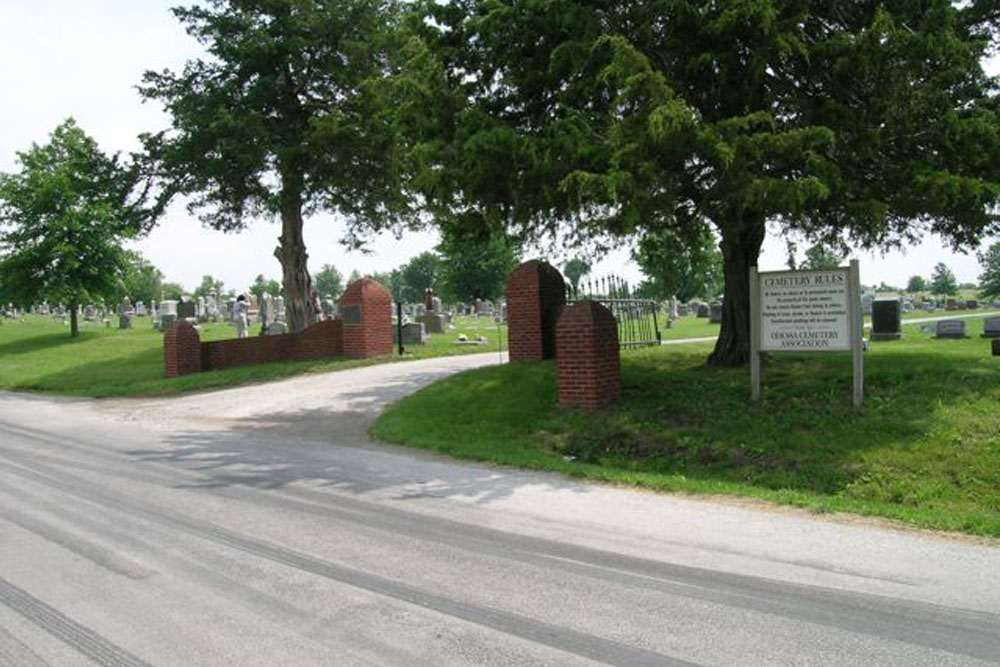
806	311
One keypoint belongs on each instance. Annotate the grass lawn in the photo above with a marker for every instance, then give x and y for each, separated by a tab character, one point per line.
925	449
37	354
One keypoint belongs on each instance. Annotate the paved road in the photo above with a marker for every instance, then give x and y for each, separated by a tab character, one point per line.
258	526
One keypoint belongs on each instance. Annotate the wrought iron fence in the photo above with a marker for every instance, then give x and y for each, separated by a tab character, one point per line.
637	318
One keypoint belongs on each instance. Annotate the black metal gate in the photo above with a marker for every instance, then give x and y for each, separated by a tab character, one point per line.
637	318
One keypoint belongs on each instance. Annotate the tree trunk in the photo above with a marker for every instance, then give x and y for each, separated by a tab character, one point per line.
296	282
741	242
74	325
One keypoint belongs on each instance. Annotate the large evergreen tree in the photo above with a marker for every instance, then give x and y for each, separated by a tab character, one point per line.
63	218
283	118
865	122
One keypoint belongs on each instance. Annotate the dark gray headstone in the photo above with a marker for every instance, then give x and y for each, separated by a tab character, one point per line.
186	309
715	313
413	333
703	310
950	329
996	347
886	319
991	327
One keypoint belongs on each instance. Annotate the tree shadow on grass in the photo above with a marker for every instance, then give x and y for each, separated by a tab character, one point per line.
41	342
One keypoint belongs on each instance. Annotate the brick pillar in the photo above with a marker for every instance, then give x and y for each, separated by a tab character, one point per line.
589	364
536	295
181	350
366	312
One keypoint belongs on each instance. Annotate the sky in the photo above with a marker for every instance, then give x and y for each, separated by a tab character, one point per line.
84	58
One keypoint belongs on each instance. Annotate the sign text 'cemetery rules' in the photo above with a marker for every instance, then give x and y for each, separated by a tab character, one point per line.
805	311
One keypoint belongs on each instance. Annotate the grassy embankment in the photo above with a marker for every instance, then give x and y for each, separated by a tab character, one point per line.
37	354
925	449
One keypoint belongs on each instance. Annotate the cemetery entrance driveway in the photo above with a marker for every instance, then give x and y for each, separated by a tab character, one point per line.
259	526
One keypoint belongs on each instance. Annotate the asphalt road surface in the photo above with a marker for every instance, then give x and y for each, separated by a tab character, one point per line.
258	526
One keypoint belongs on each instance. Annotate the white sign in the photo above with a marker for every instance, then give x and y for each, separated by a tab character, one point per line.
805	311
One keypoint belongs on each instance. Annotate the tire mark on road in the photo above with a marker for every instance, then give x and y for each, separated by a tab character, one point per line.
13	653
82	639
561	638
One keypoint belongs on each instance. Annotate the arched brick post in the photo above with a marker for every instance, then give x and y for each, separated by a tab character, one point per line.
366	312
589	363
181	350
536	294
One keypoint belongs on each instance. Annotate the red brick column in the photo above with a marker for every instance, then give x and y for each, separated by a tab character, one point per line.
536	295
366	312
181	350
589	363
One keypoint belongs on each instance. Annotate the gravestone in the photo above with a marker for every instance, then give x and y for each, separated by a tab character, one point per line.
991	327
279	309
866	304
715	313
187	309
89	313
996	347
951	304
428	299
886	319
167	320
413	333
703	310
950	329
972	304
433	322
683	310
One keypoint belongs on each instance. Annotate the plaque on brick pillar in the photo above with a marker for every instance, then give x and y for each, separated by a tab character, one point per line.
366	313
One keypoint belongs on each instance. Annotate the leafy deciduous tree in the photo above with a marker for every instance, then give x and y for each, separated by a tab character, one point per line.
943	280
329	281
208	285
574	269
916	284
476	268
417	275
63	218
681	268
142	281
989	279
819	257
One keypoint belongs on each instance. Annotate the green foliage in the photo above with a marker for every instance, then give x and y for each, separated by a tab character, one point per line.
142	281
286	116
207	286
171	291
868	122
574	269
819	257
916	284
989	279
63	218
476	268
262	286
943	281
417	276
329	281
682	268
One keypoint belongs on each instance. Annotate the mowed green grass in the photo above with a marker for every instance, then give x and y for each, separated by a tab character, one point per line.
925	449
38	355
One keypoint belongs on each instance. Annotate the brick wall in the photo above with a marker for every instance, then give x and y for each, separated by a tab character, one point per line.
588	361
323	339
536	295
181	350
372	335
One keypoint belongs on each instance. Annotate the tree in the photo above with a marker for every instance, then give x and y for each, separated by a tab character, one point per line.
63	218
476	268
943	281
329	281
868	123
142	281
682	268
207	286
575	269
821	257
989	279
418	275
262	286
283	118
172	291
916	284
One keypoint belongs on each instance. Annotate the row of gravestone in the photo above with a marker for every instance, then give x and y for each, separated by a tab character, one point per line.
887	323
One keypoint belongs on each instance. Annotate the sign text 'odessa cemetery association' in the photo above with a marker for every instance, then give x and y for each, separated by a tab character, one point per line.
805	311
